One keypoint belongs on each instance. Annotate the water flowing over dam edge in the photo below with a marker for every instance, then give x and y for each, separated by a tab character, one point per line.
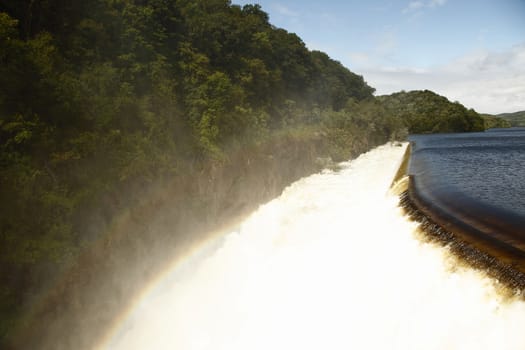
468	238
331	263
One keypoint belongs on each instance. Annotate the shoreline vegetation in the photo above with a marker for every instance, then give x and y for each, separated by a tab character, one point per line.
129	129
516	119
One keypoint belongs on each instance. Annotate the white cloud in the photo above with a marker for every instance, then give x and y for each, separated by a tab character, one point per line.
418	6
413	6
490	82
436	3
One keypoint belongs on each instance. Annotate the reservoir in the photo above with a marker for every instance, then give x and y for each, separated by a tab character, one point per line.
474	184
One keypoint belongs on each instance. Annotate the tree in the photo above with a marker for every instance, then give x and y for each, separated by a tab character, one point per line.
427	112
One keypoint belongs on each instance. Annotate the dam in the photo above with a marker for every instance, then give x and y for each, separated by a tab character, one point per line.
472	186
332	263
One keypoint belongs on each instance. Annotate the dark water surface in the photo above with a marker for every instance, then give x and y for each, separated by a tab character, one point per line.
476	180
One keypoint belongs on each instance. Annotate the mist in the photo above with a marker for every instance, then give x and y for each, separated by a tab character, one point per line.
331	263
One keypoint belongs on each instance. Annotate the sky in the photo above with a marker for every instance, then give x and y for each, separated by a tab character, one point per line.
471	51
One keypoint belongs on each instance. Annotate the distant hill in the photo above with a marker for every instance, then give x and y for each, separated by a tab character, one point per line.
515	119
425	112
492	121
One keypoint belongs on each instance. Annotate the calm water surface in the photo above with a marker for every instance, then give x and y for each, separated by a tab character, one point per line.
484	169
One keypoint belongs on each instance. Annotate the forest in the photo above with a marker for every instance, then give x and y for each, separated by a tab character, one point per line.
426	112
128	128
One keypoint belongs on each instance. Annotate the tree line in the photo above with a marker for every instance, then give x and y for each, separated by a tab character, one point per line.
516	119
427	112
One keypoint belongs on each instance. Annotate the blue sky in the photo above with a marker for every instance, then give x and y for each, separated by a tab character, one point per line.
472	51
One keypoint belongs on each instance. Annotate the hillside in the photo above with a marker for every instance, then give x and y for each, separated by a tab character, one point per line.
492	121
515	119
129	128
427	112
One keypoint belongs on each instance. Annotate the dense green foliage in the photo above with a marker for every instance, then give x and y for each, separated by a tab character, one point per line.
515	119
426	112
492	121
101	99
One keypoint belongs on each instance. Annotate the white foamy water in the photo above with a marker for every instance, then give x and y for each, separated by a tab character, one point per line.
330	264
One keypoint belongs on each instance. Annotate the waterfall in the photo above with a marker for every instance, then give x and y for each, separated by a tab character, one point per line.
333	263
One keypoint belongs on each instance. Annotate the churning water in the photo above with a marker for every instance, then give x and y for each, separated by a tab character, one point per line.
331	264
